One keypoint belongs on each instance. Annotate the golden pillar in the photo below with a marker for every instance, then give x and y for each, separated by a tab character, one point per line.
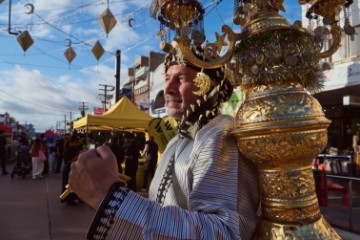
281	128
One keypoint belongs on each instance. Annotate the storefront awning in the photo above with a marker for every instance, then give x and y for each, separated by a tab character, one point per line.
7	129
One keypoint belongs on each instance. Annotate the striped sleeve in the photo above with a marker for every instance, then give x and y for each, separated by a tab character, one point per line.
206	175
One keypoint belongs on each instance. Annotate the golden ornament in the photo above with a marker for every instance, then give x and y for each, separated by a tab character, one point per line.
203	82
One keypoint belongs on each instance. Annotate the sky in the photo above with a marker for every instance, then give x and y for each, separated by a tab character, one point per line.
40	87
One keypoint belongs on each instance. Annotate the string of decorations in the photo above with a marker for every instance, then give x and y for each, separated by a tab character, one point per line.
25	40
106	20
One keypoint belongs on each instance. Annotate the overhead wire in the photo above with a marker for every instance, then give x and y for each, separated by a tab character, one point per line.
81	42
211	6
51	108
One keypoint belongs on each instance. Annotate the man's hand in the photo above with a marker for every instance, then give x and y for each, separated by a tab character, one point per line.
92	175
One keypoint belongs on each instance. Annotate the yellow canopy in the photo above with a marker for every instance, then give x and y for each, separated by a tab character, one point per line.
123	115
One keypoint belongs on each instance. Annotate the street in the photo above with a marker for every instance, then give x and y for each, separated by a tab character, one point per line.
31	210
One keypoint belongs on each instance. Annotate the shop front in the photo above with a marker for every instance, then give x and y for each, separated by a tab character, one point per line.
341	103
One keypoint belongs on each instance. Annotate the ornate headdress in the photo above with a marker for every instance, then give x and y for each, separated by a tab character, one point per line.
214	88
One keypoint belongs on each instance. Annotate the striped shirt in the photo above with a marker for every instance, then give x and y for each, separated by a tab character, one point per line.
202	189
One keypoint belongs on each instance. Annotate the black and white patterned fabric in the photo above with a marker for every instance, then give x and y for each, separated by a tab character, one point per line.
212	194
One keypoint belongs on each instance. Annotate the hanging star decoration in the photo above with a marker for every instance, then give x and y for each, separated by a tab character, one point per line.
220	42
278	5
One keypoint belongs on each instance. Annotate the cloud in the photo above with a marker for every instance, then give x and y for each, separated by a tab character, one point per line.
28	95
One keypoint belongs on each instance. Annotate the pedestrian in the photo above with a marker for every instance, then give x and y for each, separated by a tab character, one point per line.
131	157
24	153
202	188
23	161
37	162
356	148
72	148
3	152
60	151
151	153
46	162
52	159
117	148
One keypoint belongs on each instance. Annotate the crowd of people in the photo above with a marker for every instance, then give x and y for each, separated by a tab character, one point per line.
38	157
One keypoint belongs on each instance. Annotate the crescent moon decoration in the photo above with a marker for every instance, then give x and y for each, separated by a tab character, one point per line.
68	40
130	22
30	7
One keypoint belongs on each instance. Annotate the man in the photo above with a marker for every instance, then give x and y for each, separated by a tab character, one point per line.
59	149
46	162
131	157
117	148
72	147
356	147
3	152
202	189
151	153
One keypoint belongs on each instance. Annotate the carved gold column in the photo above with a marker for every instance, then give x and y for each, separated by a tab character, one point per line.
280	128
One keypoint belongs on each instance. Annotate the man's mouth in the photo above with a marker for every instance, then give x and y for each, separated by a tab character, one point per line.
171	100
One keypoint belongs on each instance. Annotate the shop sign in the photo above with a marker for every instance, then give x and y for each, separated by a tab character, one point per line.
98	111
351	100
354	73
342	76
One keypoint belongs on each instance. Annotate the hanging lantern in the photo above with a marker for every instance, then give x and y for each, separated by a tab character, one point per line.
107	20
25	40
97	50
70	54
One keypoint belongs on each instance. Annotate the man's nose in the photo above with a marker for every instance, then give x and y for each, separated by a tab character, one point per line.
171	86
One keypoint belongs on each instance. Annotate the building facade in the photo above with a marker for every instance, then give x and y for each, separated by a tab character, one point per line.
340	97
139	79
157	99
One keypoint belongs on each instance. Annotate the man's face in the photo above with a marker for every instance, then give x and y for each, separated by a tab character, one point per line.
179	89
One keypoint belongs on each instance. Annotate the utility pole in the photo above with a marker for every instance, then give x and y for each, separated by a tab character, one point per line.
71	123
117	75
65	123
106	96
82	107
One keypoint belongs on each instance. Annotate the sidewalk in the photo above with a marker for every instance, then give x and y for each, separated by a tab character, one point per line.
31	210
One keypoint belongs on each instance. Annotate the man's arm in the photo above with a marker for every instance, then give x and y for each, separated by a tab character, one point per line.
212	202
145	150
212	211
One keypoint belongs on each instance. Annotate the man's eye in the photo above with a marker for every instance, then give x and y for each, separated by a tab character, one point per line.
182	79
